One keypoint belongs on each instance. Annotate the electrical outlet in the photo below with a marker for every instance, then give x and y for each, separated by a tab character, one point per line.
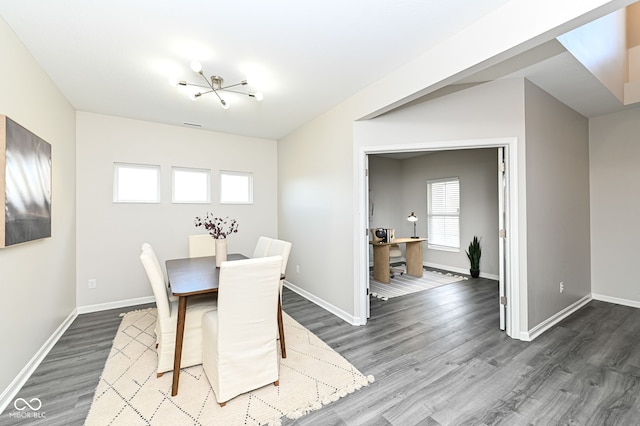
92	283
297	269
561	286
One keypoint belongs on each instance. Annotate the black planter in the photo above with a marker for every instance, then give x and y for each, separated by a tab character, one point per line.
475	273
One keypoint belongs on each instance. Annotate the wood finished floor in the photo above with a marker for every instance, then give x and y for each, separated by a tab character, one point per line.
438	359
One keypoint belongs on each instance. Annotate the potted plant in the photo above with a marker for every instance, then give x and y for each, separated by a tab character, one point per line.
474	253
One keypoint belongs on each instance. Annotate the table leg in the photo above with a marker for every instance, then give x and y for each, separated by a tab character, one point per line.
381	266
414	259
281	330
177	356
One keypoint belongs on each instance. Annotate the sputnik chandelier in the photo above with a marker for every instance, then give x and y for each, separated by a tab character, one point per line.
215	85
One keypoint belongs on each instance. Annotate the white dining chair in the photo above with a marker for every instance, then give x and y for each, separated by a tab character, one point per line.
282	248
240	351
166	322
147	246
202	245
262	247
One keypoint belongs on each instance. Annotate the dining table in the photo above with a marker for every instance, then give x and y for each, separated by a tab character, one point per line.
189	277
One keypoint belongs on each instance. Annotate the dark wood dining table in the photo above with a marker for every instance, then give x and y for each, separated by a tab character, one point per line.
190	277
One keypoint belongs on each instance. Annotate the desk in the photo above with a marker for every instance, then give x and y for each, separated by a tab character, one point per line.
381	258
188	277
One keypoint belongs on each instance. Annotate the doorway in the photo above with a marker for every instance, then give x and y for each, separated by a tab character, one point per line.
509	300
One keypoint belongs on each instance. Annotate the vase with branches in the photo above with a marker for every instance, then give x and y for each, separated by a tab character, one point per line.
217	227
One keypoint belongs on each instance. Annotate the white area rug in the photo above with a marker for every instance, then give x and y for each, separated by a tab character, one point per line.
129	393
406	284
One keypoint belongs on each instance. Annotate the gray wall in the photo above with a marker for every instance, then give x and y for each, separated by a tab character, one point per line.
399	187
557	205
614	155
37	278
110	234
317	174
554	202
386	195
488	111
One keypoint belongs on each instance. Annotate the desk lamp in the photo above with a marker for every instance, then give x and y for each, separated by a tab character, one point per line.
413	218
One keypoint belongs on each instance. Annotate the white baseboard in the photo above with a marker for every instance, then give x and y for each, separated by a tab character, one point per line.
449	268
115	305
18	382
14	387
616	300
323	304
460	270
555	319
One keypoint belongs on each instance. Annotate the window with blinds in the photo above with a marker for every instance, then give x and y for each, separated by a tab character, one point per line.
443	214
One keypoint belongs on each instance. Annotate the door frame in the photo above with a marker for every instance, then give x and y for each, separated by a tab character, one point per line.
361	237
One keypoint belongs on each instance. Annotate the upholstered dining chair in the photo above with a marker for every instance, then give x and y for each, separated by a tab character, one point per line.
202	245
171	297
168	316
262	247
239	349
282	248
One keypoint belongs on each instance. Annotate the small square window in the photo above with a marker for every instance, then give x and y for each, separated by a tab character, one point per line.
191	185
236	187
136	183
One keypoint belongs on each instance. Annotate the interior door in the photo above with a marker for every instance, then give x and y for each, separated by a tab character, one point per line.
369	212
502	235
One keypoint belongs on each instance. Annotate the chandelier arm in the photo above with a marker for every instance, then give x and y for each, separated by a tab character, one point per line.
196	85
242	83
235	91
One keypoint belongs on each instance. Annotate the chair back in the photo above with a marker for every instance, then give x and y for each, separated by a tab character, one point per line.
282	248
156	279
262	247
247	305
395	250
202	245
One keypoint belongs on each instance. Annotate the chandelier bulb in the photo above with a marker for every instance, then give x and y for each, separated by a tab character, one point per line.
196	66
225	104
259	96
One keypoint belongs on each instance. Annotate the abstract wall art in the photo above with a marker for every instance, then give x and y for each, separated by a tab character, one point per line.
25	185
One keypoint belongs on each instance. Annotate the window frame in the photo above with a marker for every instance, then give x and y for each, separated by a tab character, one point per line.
206	172
249	175
117	198
446	214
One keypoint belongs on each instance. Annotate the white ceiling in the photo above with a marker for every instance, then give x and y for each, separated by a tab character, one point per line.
117	57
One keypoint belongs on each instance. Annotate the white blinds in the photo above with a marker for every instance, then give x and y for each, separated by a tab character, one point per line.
443	198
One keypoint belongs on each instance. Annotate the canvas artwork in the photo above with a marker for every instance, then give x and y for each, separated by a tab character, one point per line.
25	161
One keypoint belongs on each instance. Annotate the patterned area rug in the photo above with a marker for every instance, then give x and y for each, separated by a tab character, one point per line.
406	284
129	393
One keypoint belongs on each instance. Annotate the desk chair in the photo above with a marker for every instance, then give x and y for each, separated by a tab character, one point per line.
395	253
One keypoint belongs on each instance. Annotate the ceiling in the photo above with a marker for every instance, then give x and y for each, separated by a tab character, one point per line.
117	57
